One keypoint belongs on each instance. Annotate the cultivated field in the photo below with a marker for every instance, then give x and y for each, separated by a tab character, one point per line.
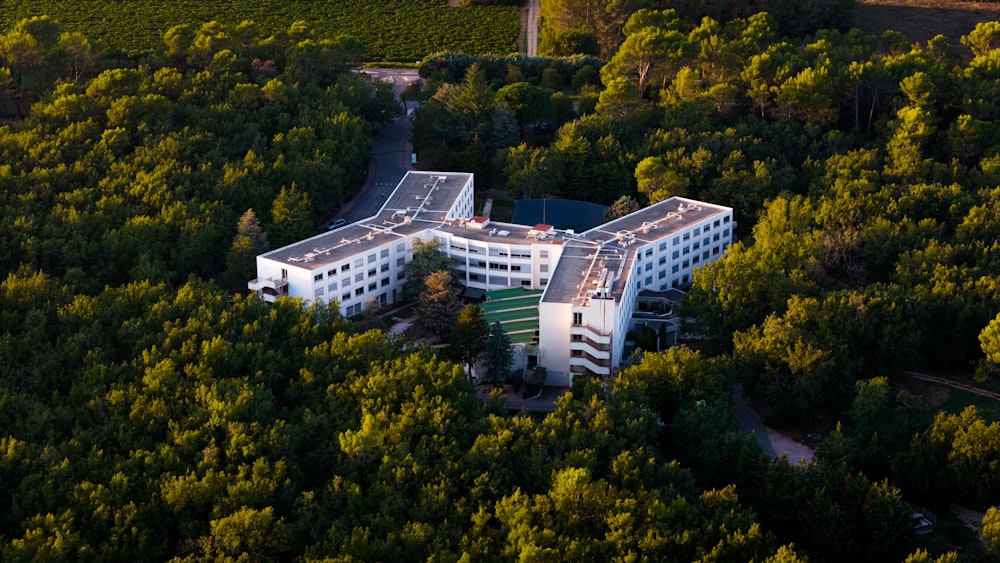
397	30
920	20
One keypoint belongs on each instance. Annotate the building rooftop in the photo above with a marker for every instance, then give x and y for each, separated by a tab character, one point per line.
603	256
420	201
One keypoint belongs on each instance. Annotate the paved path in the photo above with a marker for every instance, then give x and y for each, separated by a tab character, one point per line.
532	29
390	153
772	442
750	422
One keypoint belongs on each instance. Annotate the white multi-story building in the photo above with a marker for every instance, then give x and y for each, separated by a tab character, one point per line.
591	280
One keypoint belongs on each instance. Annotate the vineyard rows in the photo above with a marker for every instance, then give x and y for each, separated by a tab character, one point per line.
400	30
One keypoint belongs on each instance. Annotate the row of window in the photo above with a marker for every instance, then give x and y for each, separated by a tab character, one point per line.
360	263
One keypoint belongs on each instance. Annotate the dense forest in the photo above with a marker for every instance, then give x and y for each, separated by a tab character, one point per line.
148	412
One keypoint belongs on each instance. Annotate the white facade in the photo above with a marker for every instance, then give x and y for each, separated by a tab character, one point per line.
591	279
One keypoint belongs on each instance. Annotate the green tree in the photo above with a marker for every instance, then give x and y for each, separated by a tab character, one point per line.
438	305
991	531
468	335
621	207
526	171
427	259
291	216
498	355
989	341
249	242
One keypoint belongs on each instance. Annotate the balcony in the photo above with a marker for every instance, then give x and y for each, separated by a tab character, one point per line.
269	288
585	364
590	333
601	351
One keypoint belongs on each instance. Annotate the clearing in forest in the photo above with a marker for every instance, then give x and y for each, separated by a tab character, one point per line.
920	20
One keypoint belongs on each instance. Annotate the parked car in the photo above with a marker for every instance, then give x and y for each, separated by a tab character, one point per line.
335	224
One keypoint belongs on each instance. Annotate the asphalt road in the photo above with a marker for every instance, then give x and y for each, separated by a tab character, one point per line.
390	154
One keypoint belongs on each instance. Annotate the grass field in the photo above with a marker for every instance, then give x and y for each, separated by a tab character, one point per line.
396	30
920	20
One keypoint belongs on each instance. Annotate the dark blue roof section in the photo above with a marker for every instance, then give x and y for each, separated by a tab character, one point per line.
560	213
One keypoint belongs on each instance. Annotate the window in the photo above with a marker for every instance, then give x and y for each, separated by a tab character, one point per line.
384	253
526	283
705	241
695	260
332	287
359	291
384	268
318	277
400	275
649	280
704	255
543	281
649	252
687	250
663	287
677	241
401	248
685	264
662	274
371	257
725	232
707	228
515	268
331	273
576	353
725	219
345	268
372	286
649	266
663	246
687	236
677	254
345	297
716	223
383	282
543	268
684	279
662	261
371	273
400	262
697	231
715	236
675	283
696	246
359	263
675	269
715	251
319	291
473	277
577	338
359	277
284	274
577	319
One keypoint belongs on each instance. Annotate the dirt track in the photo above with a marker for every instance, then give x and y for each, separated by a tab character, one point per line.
953	384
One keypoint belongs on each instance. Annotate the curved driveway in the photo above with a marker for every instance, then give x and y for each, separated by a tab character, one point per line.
390	153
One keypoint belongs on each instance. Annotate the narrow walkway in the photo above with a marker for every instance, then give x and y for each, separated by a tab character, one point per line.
953	384
487	207
772	442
